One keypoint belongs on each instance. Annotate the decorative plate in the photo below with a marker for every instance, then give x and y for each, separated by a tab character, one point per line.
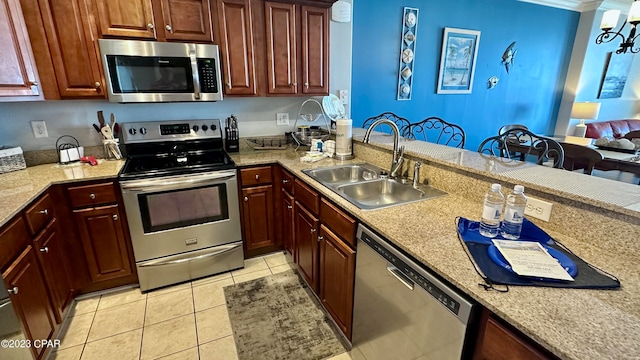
410	19
405	89
406	73
333	107
407	56
409	37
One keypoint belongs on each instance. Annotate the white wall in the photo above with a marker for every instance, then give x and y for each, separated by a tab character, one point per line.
256	116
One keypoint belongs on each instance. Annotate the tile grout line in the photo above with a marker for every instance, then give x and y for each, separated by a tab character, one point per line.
144	320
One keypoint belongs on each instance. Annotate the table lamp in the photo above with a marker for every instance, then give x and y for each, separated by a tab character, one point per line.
584	111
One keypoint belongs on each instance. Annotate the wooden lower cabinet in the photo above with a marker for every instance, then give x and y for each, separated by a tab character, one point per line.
337	275
30	299
50	251
101	232
258	217
306	239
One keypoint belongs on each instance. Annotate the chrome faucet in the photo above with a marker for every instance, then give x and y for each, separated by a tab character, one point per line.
398	155
416	174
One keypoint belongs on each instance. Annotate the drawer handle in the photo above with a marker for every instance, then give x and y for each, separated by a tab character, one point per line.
13	291
44	212
92	196
168	27
246	198
44	249
257	177
313	230
115	217
285	181
289	207
320	238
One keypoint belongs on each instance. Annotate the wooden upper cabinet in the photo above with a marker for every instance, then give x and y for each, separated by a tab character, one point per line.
187	20
280	26
315	50
236	45
126	18
18	76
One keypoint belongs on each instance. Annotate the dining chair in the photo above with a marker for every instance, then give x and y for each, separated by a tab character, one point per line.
401	122
635	134
504	128
580	157
524	142
435	128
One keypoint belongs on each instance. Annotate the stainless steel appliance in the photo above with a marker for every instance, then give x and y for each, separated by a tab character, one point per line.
180	194
148	71
401	311
10	330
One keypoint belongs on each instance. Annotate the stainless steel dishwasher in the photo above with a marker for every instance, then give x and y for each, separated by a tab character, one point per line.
401	311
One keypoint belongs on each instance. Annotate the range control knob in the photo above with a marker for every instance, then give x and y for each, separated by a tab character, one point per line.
205	128
213	127
132	131
195	128
143	130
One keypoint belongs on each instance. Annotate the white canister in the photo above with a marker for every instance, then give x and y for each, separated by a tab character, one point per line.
344	137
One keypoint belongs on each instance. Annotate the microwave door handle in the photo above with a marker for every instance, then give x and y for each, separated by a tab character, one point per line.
194	73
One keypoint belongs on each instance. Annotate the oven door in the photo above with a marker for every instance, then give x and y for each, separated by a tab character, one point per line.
173	215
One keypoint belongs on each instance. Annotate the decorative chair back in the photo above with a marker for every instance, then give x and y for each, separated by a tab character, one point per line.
511	126
401	122
580	157
525	142
434	128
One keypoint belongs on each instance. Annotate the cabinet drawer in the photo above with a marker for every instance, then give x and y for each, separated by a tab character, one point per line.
286	180
339	222
92	195
307	196
13	240
39	214
256	176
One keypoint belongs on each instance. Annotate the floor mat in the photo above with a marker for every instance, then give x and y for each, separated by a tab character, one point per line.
276	317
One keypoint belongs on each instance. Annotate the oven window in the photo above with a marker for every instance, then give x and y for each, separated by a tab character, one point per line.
180	208
146	74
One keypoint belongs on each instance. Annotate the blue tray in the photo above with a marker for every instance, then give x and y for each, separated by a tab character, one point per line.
563	259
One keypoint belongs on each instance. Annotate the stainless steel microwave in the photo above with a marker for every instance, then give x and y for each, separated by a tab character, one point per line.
148	71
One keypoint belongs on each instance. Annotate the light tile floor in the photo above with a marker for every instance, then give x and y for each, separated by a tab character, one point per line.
185	321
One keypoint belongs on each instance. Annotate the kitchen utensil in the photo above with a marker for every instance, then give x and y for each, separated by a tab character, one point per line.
106	132
112	120
101	119
97	129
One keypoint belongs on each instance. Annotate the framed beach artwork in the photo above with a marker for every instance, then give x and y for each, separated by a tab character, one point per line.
616	70
458	61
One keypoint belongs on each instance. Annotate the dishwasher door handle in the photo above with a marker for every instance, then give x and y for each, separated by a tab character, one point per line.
400	276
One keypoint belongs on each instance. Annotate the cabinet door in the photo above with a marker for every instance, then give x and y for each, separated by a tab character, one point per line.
30	299
337	272
236	46
18	70
126	18
280	23
288	217
258	217
315	50
187	20
306	241
102	236
74	53
48	247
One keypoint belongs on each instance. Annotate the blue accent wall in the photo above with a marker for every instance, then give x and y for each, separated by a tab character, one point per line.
530	94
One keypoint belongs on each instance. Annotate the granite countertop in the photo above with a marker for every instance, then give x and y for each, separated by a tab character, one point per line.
19	188
572	323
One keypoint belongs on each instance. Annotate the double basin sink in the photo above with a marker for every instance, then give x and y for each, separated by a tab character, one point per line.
363	186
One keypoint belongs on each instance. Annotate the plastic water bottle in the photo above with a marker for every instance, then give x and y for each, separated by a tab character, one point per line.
514	213
492	212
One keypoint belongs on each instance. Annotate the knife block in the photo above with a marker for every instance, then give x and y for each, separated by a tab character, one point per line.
232	141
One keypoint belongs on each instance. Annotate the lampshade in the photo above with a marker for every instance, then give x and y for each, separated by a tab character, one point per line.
634	13
585	110
610	19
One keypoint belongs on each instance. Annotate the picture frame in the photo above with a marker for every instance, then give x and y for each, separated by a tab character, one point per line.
614	76
458	61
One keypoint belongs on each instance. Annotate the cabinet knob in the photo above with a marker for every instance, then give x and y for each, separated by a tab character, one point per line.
115	217
44	212
320	238
92	196
313	230
150	26
294	84
168	27
289	207
257	177
97	84
34	83
13	290
246	198
285	181
44	249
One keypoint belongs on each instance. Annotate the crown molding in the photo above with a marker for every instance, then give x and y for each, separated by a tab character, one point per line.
584	5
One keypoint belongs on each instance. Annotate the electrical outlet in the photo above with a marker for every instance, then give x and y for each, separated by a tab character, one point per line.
344	96
282	119
39	129
538	209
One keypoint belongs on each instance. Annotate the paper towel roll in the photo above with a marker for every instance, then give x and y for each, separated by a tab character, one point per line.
344	137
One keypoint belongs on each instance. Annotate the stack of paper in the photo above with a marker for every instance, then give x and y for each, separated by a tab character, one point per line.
530	258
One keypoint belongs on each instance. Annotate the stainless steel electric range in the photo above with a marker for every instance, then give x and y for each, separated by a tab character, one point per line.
180	195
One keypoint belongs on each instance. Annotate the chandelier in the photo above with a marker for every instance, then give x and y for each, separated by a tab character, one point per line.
610	20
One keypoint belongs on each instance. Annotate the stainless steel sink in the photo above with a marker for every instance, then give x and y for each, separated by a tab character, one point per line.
361	185
385	192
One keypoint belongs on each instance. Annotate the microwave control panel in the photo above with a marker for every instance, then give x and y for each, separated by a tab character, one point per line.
208	76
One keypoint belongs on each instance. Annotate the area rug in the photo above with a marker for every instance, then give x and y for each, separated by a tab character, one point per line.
276	317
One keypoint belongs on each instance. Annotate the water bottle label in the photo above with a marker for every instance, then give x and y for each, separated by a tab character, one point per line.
490	212
513	215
